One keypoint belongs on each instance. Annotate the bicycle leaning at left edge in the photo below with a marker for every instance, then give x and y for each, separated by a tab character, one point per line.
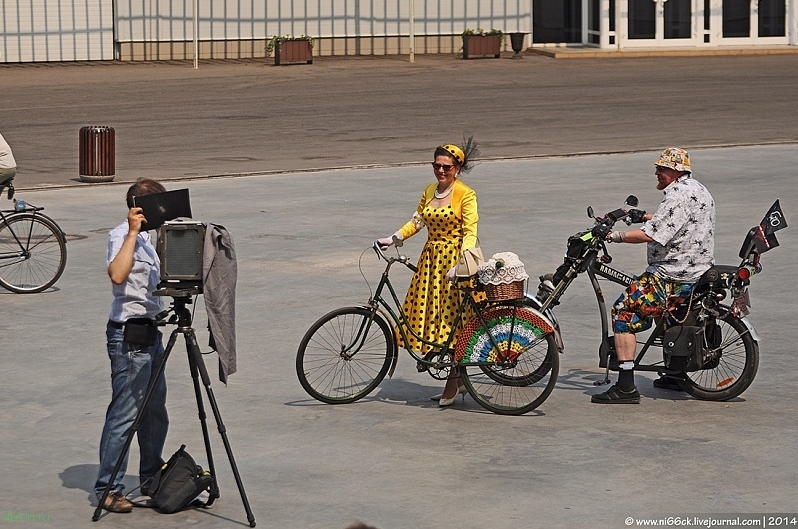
32	246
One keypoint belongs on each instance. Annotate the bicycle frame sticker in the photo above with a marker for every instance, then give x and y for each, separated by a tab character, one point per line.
622	278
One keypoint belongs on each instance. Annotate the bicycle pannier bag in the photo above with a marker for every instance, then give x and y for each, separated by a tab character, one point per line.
469	262
179	482
682	347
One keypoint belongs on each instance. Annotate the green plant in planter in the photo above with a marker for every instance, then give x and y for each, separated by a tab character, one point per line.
481	32
278	39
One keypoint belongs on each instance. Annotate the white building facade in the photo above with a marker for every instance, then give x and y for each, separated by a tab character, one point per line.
630	24
76	30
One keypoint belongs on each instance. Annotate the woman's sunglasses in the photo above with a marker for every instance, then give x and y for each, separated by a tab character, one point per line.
439	166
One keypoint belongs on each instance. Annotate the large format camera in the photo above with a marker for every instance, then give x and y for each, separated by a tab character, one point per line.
180	241
180	247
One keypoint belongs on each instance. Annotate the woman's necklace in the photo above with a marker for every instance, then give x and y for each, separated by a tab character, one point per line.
445	193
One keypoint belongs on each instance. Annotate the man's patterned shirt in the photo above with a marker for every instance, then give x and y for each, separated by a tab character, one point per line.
683	229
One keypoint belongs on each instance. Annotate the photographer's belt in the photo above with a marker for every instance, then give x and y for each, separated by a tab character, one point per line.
117	325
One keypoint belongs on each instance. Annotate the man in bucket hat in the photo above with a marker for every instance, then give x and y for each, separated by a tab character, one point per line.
680	237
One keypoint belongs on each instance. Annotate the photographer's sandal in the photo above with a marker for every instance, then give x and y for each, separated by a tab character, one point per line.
116	502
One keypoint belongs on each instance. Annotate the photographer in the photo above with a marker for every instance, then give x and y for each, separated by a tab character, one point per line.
136	350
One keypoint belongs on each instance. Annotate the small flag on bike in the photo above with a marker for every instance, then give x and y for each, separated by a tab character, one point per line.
766	235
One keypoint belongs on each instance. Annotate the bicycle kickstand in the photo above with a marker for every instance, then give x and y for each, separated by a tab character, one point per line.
606	377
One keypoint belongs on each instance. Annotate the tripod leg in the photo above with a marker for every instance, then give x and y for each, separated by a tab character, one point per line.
196	361
134	427
193	352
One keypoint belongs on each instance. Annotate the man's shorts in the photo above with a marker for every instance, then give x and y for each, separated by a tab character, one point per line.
645	299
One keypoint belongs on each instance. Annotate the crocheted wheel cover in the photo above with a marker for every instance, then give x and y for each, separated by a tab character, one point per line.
473	344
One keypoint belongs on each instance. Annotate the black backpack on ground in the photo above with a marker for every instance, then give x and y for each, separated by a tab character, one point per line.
179	482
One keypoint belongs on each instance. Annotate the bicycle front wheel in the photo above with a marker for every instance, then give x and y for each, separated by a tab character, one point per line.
345	355
523	374
32	253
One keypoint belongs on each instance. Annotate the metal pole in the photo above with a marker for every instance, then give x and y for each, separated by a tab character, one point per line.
196	25
412	35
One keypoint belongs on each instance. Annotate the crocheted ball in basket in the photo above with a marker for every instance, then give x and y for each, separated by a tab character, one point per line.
502	269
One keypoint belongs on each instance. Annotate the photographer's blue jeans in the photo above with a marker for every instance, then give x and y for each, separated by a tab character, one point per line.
132	368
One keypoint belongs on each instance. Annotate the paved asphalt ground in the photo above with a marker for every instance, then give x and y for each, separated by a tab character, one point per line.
251	117
394	459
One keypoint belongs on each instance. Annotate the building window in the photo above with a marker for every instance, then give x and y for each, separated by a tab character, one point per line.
678	18
641	19
772	19
736	18
594	21
557	21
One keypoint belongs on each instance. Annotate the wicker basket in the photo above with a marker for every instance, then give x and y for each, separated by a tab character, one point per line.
505	291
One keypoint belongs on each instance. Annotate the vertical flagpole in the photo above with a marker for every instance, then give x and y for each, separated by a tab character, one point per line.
196	24
412	35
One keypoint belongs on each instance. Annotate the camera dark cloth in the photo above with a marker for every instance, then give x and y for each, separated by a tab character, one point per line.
219	274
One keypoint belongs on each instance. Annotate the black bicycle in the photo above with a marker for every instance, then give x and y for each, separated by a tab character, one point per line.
32	246
709	347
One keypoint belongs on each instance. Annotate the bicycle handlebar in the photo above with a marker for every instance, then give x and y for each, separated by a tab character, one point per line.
604	225
597	235
402	259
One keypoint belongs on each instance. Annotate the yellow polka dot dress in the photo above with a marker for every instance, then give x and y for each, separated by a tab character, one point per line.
432	303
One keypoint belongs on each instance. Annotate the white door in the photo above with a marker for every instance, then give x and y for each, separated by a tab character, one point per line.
749	22
660	23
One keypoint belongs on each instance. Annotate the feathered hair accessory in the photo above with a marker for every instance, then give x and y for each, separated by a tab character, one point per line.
465	156
471	152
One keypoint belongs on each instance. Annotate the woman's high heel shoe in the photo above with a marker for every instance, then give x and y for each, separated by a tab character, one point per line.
448	402
460	391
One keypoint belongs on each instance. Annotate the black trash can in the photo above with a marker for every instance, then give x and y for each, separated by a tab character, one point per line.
97	161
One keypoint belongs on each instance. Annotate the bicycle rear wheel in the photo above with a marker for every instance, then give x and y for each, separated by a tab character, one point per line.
731	362
345	355
32	253
529	373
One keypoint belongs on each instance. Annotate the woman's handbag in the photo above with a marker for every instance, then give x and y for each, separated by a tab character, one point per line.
469	261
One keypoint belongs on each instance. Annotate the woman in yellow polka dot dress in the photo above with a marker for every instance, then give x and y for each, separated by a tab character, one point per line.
448	209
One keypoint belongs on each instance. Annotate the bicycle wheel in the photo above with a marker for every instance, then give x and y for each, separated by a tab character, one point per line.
345	355
526	377
730	364
32	253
